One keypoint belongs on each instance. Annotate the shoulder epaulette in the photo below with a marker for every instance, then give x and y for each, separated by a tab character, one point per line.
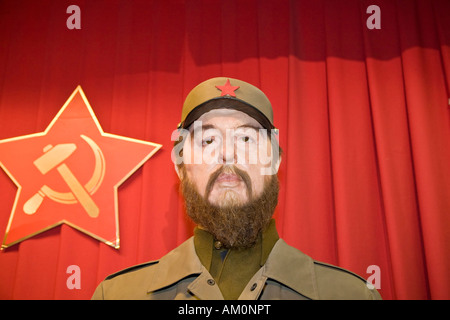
323	264
131	269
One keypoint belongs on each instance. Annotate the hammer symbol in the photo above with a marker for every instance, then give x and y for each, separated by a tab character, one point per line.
54	157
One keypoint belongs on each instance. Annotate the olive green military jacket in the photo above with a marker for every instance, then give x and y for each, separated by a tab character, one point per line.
288	274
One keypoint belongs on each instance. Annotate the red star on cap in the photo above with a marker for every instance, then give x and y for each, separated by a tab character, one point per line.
227	89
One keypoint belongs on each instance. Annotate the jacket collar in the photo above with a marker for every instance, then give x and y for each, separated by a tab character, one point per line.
285	265
176	265
292	268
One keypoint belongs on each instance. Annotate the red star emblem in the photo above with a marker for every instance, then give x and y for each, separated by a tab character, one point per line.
70	174
228	89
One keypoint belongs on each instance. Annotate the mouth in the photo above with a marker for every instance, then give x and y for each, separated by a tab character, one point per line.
228	179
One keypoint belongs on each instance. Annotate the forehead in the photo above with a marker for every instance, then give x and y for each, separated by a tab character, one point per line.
228	118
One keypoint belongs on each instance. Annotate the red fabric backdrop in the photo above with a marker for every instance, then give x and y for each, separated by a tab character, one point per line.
363	118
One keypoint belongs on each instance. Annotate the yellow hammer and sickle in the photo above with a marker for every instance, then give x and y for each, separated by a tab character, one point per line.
91	186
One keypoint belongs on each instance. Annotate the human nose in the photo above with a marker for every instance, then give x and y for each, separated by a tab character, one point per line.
228	151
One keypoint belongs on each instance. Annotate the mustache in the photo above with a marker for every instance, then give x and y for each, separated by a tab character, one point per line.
229	169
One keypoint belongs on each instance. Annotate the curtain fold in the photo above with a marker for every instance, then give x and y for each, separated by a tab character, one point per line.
362	113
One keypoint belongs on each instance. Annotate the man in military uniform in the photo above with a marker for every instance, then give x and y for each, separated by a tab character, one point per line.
227	157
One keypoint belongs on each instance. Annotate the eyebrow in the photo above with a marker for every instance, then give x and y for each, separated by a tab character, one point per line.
245	125
211	126
250	126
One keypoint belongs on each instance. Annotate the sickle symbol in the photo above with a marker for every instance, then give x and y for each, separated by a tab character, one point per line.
32	205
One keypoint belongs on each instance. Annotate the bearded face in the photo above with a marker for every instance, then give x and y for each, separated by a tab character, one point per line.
225	193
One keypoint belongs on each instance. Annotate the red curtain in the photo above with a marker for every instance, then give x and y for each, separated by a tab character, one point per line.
362	113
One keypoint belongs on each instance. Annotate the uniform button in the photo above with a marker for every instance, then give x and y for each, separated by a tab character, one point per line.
253	287
217	245
211	282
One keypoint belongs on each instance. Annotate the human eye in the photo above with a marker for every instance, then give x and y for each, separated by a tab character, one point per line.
245	139
246	136
208	140
210	137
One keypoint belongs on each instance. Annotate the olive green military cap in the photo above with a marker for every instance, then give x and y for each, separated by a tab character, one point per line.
213	94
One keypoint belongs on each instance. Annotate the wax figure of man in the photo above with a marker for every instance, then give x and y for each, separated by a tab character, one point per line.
227	158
